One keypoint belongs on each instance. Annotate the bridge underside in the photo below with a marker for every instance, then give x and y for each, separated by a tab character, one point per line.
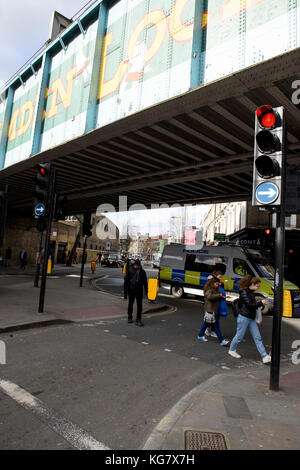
196	148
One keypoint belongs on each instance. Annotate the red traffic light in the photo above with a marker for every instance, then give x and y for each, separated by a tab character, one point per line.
43	169
268	118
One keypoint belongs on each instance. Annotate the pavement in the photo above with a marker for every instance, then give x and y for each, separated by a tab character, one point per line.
231	410
64	301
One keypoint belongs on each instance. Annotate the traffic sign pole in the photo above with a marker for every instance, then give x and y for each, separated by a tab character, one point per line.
50	206
278	282
83	261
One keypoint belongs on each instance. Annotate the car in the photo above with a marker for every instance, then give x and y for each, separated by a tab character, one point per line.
112	261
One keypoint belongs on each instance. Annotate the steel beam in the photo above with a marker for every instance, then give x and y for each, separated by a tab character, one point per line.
5	126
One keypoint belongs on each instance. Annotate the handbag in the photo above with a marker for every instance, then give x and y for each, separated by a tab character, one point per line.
223	309
209	317
258	316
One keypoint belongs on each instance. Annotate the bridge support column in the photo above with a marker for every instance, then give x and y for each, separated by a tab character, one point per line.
5	127
199	44
39	109
92	109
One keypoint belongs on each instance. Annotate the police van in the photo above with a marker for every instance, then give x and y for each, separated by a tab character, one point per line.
186	271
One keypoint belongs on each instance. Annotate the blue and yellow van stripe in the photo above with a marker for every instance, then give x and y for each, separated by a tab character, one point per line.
194	278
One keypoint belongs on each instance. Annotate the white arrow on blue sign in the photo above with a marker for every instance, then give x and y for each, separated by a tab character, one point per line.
39	210
267	193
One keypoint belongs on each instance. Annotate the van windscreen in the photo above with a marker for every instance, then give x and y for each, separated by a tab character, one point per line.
262	262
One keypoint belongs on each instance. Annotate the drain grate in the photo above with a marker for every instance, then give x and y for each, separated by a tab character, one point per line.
199	440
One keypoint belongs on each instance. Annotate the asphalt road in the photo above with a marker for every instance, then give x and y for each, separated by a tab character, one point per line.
112	380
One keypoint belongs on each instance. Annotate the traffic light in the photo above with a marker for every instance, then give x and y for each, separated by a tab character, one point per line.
87	226
269	146
3	206
60	207
3	212
292	203
41	224
42	189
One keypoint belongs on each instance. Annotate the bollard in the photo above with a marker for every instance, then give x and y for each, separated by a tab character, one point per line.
93	266
152	289
49	266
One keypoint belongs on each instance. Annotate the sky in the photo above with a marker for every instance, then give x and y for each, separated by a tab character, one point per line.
25	26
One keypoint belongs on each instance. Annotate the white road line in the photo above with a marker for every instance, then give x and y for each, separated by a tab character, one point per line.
72	433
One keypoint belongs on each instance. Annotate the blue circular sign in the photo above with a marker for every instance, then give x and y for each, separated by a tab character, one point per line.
267	193
39	210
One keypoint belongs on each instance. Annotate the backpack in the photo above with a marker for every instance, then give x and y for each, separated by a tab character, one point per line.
236	307
135	282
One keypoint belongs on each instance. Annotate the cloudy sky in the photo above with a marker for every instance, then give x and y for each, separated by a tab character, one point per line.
25	27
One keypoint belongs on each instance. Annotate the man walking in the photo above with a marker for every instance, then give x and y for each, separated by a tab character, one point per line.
136	281
23	258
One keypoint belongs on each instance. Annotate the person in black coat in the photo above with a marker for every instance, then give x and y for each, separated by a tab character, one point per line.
246	319
136	282
23	258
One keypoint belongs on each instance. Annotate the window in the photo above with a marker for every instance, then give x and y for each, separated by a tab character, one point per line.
241	267
206	263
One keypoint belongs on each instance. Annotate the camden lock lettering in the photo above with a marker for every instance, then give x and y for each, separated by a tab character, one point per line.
60	91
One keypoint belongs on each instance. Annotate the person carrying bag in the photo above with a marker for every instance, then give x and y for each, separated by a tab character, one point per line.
247	317
213	296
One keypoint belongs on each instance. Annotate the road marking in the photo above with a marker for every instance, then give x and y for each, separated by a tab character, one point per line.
72	433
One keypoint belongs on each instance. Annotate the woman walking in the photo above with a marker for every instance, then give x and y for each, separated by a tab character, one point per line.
213	297
246	318
222	309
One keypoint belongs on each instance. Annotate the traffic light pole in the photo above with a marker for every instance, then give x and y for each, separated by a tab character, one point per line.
279	274
83	261
50	206
38	264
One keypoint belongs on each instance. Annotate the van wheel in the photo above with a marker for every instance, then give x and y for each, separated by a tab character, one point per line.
177	291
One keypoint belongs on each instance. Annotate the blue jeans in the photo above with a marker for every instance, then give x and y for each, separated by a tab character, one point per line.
242	324
215	326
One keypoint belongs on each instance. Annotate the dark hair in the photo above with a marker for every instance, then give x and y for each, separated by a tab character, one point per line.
247	281
210	284
216	273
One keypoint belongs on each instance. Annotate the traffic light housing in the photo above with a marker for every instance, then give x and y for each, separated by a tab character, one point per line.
292	203
60	207
3	212
42	187
3	206
269	146
87	226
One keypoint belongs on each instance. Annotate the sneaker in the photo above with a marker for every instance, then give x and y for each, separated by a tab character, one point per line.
234	354
225	342
202	338
266	359
139	323
130	320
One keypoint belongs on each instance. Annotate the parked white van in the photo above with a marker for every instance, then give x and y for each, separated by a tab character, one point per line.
186	271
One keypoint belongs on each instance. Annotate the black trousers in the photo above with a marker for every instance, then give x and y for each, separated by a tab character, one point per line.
139	301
